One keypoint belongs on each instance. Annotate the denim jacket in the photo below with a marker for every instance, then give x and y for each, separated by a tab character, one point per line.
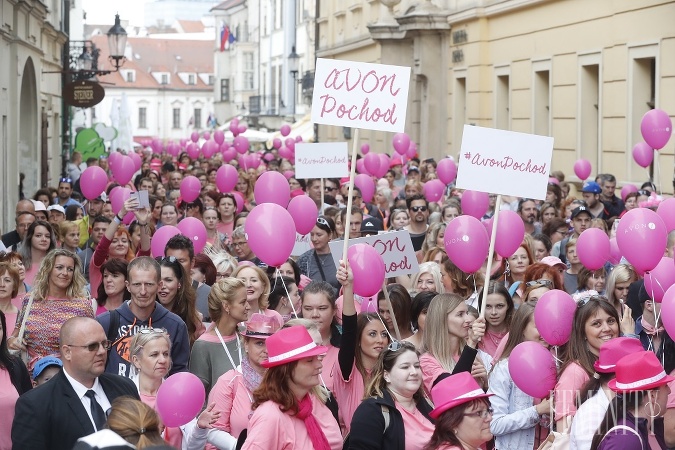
514	418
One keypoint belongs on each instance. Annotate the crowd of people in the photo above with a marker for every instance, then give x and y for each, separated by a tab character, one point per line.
290	356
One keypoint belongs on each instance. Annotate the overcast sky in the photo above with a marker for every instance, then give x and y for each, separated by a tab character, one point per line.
103	12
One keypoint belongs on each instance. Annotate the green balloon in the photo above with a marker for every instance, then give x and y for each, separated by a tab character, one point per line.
89	143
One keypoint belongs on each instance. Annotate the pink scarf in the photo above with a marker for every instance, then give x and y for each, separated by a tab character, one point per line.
649	328
316	435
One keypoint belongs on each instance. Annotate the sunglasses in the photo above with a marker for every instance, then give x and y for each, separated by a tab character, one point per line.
542	282
418	208
65	180
171	259
395	345
329	189
94	346
153	331
322	221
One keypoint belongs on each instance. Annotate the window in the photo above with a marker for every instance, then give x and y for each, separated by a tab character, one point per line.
176	117
249	71
225	90
165	78
142	117
460	109
212	79
198	117
191	79
130	76
502	117
589	101
542	98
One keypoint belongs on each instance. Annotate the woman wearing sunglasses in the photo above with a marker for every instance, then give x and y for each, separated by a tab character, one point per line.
317	263
395	390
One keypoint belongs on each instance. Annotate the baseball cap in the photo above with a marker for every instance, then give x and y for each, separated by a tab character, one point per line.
39	206
57	208
553	261
371	226
413	169
581	209
45	362
592	187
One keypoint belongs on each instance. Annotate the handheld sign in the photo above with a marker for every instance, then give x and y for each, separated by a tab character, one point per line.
323	160
395	248
360	95
302	244
504	162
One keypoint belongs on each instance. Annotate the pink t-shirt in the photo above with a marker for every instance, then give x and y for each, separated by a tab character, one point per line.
573	378
8	398
30	273
418	429
431	369
329	361
10	319
233	400
174	436
348	394
226	229
269	428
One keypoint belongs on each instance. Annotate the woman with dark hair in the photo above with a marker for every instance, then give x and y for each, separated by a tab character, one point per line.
227	207
112	292
176	294
169	215
462	413
556	229
455	281
288	269
395	387
204	271
418	315
214	238
16	260
541	246
14	381
73	213
285	298
401	302
512	272
591	280
286	412
9	287
499	309
44	196
317	263
40	239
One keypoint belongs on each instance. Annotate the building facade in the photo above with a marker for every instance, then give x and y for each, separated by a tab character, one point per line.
582	72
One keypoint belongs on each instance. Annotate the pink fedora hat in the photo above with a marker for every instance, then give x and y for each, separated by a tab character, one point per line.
260	326
613	350
455	390
291	344
639	371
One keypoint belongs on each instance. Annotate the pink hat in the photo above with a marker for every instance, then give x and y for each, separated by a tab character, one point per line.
291	344
639	371
260	326
344	181
455	390
554	261
395	161
612	351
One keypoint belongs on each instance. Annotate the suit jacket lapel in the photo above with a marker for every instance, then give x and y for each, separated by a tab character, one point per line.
76	406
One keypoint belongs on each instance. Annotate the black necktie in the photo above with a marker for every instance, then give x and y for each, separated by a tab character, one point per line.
96	411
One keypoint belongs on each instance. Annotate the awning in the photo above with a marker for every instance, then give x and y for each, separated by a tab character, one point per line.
303	127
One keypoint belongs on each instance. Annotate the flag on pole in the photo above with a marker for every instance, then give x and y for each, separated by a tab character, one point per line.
224	35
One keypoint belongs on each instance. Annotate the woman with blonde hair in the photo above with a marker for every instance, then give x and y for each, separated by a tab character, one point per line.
435	236
136	422
69	236
219	348
58	294
224	262
428	279
257	290
458	282
245	187
618	282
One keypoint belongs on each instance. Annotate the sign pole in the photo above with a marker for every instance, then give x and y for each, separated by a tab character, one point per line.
491	251
352	174
391	310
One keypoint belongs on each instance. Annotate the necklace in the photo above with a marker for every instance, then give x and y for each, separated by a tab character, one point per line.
495	337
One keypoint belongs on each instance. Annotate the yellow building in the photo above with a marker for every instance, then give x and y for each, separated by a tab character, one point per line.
582	71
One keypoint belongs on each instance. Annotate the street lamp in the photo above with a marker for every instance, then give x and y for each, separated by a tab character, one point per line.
293	64
117	43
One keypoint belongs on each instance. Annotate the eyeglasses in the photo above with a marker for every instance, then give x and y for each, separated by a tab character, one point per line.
239	244
94	346
561	231
329	189
418	208
482	414
220	275
153	330
65	180
543	282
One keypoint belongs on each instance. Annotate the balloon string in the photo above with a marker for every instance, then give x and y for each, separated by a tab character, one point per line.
288	296
558	361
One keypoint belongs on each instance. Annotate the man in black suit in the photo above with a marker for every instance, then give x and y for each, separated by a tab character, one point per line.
73	403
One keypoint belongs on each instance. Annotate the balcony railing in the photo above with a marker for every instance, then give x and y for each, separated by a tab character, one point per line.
267	105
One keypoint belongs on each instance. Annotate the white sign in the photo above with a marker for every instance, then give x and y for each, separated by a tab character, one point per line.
504	162
395	247
302	244
323	160
360	95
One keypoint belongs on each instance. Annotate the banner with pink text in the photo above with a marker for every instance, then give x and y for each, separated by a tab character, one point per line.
360	95
504	162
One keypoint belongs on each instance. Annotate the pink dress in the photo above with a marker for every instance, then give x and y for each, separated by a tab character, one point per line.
348	394
570	382
270	428
233	400
418	428
8	398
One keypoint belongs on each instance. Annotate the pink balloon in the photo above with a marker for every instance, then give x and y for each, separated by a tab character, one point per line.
114	157
194	136
554	315
614	252
229	153
365	183
666	211
466	243
627	189
123	170
240	201
642	237
660	279
234	126
272	187
242	128
412	150
117	197
289	174
298	139
285	130
160	238
286	152
138	162
93	182
271	233
510	233
276	143
384	165
365	148
475	203
304	212
180	398
219	136
195	230
656	128
446	170
593	249
668	310
226	178
240	144
582	168
532	368
361	166
643	154
368	268
401	143
206	135
290	143
433	190
190	188
209	149
183	142
372	163
192	150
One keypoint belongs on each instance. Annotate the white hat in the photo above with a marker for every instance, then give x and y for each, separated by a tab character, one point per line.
57	208
39	206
